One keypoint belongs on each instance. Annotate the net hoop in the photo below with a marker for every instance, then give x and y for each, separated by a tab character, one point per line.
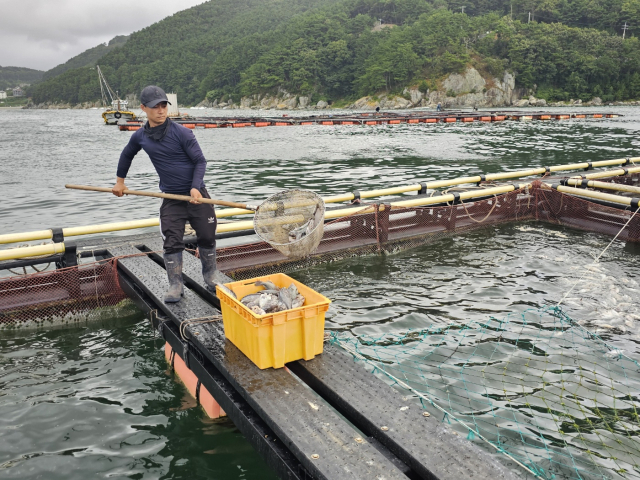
304	205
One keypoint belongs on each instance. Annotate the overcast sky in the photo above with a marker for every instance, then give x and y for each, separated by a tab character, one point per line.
44	33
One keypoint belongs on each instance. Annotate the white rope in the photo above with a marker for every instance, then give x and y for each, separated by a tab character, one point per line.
597	259
197	321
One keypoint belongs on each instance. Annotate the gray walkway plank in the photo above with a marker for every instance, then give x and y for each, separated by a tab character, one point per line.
426	444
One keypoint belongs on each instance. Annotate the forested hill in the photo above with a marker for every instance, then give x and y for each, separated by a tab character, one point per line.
14	76
86	58
335	49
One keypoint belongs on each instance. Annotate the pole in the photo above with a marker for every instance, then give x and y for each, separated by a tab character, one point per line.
529	18
624	30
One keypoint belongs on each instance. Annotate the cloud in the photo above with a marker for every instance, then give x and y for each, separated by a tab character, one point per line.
42	34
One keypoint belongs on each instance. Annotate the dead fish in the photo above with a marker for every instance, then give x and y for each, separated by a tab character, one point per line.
268	285
268	302
257	310
293	291
283	297
227	290
298	301
252	298
301	231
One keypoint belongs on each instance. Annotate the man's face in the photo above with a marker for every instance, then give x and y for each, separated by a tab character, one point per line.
156	115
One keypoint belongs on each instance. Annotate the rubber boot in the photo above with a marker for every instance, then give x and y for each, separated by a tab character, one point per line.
212	276
173	265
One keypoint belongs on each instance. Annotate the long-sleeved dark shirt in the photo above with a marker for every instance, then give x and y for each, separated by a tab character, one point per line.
177	158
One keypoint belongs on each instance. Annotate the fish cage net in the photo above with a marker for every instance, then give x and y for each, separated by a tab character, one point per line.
535	386
379	229
65	296
92	290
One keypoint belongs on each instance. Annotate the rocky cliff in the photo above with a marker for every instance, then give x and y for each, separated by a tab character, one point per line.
468	90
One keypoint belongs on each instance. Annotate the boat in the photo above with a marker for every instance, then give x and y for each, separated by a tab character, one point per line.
116	110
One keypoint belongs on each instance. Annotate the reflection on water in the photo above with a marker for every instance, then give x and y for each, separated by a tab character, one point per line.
97	400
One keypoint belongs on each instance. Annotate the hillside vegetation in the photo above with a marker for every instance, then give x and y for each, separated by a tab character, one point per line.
88	58
13	76
330	49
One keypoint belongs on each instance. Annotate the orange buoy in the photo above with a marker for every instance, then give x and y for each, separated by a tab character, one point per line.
262	124
485	119
347	123
413	120
468	119
210	125
371	122
189	125
208	403
580	116
545	117
562	117
450	120
327	123
597	115
431	120
282	124
306	123
395	122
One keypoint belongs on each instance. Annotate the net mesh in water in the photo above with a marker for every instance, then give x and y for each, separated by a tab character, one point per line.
536	386
65	296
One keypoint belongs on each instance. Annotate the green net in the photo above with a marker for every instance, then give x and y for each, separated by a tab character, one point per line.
535	386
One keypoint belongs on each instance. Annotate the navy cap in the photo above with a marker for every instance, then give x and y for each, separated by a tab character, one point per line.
152	95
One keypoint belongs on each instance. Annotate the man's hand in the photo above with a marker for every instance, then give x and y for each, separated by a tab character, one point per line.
196	196
119	187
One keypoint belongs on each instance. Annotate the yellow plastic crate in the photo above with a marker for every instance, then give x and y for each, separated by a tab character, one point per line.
274	339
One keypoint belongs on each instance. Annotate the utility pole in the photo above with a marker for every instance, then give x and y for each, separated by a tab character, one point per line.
462	9
529	18
624	30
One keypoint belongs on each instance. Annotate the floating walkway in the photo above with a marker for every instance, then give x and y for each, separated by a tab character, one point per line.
385	118
328	431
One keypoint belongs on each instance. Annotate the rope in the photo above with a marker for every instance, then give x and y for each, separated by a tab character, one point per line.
597	259
197	321
431	402
486	216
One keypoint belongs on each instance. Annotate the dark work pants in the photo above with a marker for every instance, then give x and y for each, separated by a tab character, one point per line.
174	215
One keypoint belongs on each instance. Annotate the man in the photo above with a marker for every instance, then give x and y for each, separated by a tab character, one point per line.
180	164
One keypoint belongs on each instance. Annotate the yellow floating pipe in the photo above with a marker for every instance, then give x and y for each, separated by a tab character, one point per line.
35	251
597	195
489	177
26	236
619	187
609	173
332	214
111	227
75	231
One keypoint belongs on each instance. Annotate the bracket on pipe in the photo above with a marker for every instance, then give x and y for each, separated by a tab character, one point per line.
57	235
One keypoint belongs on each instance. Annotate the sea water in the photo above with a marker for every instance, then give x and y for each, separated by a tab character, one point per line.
100	401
